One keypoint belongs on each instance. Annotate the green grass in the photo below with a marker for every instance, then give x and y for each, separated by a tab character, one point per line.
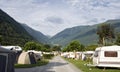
39	63
82	66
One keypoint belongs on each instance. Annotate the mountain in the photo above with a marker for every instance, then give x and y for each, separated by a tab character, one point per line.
36	34
115	24
12	32
82	33
85	34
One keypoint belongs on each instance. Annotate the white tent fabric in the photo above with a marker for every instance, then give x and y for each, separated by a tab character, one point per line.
26	58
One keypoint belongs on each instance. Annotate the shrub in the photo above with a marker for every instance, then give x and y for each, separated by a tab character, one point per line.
48	56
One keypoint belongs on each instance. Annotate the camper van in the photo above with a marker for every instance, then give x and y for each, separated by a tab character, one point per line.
107	56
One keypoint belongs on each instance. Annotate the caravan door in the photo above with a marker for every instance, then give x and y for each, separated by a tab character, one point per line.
3	62
96	57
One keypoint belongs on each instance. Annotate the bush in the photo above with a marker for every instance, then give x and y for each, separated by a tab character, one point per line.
48	56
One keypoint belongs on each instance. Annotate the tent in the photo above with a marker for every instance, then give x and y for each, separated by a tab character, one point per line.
38	54
7	60
26	58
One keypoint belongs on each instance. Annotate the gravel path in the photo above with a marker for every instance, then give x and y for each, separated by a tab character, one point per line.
57	64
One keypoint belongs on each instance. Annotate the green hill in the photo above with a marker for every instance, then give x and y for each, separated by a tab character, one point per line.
12	32
85	34
36	34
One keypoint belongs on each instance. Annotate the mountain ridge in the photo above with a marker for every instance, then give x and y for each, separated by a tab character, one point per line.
11	31
14	33
36	34
85	34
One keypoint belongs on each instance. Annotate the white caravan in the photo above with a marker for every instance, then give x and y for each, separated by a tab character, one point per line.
107	56
16	48
71	55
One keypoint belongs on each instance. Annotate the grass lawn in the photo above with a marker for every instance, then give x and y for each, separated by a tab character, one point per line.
39	63
82	65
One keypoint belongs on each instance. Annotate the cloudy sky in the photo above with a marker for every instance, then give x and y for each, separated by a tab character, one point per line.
53	16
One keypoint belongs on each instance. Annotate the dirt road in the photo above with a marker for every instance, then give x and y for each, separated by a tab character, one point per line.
57	64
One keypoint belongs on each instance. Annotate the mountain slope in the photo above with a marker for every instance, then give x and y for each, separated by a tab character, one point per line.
36	34
81	33
85	34
115	24
12	32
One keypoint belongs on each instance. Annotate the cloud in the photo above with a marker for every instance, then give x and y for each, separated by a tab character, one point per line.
53	16
94	20
98	3
54	20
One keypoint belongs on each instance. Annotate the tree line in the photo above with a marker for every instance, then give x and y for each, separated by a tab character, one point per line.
41	47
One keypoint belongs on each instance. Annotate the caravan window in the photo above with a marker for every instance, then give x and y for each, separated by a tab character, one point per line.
16	48
110	54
